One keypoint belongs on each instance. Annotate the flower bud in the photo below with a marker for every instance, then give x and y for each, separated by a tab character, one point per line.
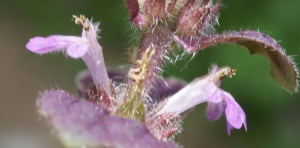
158	9
192	19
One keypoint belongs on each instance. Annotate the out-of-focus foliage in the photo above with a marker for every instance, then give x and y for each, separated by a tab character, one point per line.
272	113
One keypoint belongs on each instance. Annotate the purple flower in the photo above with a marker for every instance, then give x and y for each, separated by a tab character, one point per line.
206	89
85	47
138	108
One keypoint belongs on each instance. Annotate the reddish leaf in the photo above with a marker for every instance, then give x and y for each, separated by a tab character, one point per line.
283	69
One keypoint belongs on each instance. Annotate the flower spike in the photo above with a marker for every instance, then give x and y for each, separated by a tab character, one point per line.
138	108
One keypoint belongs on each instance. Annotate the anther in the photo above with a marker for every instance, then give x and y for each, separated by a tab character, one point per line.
82	20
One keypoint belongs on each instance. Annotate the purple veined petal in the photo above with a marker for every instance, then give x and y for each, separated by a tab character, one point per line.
234	113
82	123
215	110
77	50
41	45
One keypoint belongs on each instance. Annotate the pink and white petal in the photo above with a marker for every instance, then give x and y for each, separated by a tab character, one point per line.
197	92
234	113
186	98
77	50
213	93
41	45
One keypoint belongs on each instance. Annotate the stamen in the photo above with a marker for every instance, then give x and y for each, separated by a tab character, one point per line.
221	73
227	72
82	20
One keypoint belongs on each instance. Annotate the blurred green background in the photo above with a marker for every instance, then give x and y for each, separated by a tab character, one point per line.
273	115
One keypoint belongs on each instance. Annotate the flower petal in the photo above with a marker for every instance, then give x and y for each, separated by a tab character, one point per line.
283	69
81	123
202	89
215	110
213	93
189	96
41	45
216	104
229	128
234	113
77	50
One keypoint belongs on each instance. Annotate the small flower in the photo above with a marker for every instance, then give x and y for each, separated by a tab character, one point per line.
85	47
206	89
